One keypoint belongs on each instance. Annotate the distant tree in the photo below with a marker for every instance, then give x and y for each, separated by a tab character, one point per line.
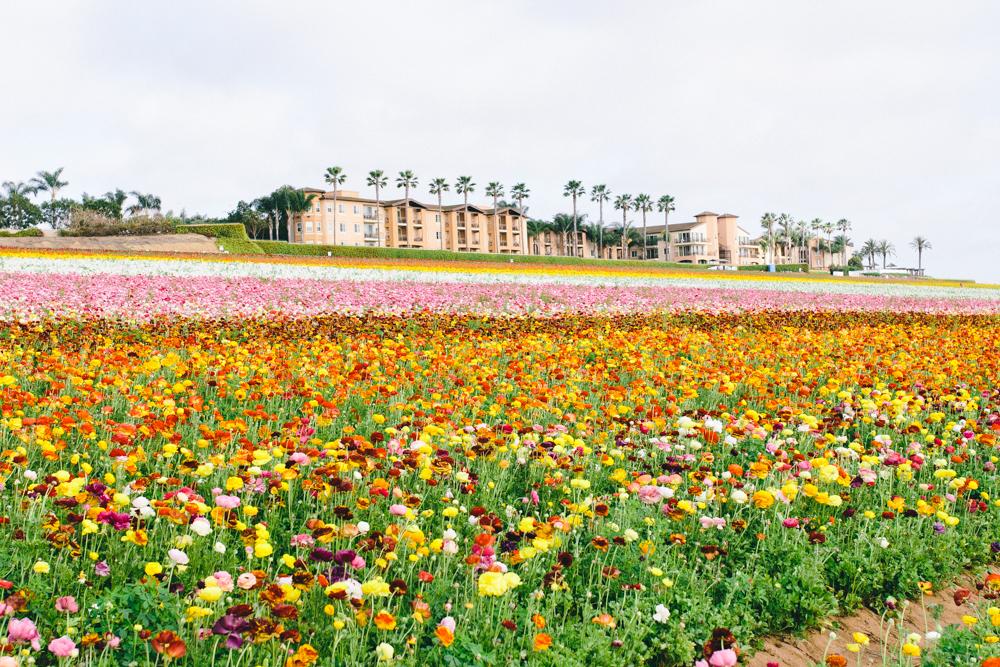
767	223
334	177
495	189
574	189
600	194
623	203
145	204
377	180
17	211
843	226
296	202
920	244
438	187
643	203
869	250
519	192
785	224
116	198
886	249
49	181
269	207
665	205
248	215
19	188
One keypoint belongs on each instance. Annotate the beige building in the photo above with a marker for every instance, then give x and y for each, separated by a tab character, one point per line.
710	239
401	223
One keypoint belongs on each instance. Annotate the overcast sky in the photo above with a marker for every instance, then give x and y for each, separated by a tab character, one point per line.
885	113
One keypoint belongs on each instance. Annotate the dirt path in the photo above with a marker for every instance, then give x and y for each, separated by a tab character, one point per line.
810	650
195	243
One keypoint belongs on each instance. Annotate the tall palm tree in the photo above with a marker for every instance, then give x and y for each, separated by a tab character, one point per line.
562	225
438	187
377	180
885	249
785	223
600	194
519	192
844	226
623	203
665	205
920	244
495	189
48	181
144	203
267	207
117	200
295	202
644	204
464	186
334	177
828	228
574	189
406	180
816	228
536	228
804	239
869	250
767	222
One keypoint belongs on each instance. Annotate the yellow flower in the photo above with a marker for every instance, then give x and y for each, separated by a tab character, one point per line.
911	649
497	583
41	567
210	593
763	499
152	569
860	638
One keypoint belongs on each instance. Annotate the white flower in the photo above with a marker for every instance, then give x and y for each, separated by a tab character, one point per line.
662	614
201	526
363	527
178	556
219	548
884	543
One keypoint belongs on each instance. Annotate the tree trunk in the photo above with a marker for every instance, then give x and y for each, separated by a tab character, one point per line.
334	214
576	237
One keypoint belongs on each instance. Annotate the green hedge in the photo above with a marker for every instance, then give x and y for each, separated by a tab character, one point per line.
30	231
223	230
780	268
371	252
239	246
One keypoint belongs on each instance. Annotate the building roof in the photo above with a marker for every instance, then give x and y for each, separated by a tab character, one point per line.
728	215
706	213
402	202
506	209
461	207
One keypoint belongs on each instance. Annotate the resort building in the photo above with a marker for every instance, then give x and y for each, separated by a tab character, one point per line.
710	239
408	223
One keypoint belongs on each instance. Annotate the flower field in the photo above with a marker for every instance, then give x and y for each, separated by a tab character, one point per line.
237	463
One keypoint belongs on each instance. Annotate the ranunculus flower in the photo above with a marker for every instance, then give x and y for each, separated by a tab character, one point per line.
21	630
67	605
63	647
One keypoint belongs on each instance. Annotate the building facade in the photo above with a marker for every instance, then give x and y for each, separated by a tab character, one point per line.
407	223
710	239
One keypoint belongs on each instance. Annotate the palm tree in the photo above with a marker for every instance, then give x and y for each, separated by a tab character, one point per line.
644	204
19	188
885	249
828	228
767	222
295	202
536	228
816	227
844	226
600	194
920	244
116	199
406	180
438	187
464	186
563	225
574	189
785	224
519	192
144	203
334	177
623	203
869	250
377	180
665	205
267	207
48	181
804	239
495	189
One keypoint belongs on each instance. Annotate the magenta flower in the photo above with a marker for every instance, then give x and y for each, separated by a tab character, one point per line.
67	605
21	630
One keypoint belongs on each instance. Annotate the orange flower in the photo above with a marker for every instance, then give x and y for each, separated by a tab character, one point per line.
542	642
605	621
169	644
538	620
303	657
385	621
444	635
836	660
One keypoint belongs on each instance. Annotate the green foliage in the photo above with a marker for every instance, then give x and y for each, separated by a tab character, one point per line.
93	223
240	246
30	231
301	249
228	230
780	268
18	212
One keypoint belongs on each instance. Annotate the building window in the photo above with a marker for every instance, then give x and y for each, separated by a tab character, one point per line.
329	209
437	217
357	228
341	226
437	236
309	226
340	208
317	208
355	210
319	226
298	227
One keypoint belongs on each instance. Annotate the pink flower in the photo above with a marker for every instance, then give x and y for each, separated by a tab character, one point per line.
358	563
724	658
224	580
302	540
790	522
246	581
397	510
227	502
448	622
67	605
300	458
7	661
178	557
21	630
63	647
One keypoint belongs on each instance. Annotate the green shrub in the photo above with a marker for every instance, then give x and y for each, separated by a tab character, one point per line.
372	252
239	246
85	222
30	231
780	268
222	230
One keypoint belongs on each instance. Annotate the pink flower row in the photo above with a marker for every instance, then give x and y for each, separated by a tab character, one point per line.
29	295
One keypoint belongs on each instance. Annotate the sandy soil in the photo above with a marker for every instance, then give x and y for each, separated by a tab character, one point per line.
810	650
195	243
